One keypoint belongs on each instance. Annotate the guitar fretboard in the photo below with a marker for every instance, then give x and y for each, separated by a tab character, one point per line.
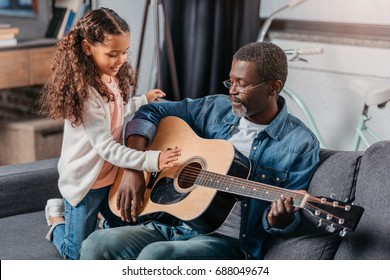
245	187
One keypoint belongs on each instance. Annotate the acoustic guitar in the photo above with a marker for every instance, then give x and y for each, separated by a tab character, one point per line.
210	176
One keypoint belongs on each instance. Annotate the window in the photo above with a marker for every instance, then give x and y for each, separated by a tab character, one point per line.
18	7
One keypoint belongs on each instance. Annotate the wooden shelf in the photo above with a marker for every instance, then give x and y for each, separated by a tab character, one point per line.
24	67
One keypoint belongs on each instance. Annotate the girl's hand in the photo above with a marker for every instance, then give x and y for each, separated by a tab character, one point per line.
167	158
155	95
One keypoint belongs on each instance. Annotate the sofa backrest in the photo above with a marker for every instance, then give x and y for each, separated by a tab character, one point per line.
371	239
335	177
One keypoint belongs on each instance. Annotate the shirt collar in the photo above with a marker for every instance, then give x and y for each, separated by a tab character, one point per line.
277	124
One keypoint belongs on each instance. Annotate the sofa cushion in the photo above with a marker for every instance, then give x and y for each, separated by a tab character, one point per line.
23	238
371	239
335	177
26	187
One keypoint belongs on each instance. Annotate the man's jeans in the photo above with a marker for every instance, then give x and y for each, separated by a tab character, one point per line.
157	241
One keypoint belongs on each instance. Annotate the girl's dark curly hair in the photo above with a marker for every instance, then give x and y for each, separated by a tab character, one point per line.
65	94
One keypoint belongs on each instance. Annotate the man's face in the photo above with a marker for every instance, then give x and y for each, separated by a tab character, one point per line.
255	103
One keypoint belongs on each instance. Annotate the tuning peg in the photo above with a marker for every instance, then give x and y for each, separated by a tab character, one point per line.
343	232
330	228
332	196
319	223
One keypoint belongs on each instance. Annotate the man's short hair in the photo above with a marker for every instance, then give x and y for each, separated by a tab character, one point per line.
271	60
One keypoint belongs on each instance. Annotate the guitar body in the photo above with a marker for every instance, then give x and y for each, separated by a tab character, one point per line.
173	193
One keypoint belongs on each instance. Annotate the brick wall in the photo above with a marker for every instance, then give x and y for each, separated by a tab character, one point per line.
18	103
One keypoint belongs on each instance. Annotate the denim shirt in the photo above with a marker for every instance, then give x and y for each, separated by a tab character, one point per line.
285	154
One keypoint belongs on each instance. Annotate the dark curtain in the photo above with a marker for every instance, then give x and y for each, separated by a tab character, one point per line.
205	35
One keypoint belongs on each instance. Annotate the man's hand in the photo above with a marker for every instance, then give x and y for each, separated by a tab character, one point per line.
131	190
281	213
131	194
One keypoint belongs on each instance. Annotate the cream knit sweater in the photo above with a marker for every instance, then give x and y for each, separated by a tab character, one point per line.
87	146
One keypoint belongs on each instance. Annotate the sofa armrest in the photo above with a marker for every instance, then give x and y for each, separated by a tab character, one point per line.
26	187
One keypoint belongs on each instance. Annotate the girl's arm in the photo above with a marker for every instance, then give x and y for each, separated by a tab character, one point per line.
136	102
96	127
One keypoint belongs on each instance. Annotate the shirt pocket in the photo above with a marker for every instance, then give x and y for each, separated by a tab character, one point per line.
270	176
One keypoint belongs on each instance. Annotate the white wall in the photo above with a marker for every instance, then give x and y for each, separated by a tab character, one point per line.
342	11
133	12
322	83
334	106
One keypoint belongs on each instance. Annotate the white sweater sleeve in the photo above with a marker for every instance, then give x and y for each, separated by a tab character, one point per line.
134	104
96	126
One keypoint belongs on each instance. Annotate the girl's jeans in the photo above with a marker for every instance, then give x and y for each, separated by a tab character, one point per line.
80	222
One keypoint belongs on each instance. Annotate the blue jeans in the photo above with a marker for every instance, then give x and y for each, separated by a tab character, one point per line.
157	241
80	222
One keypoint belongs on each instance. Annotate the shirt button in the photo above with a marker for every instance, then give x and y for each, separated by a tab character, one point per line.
277	179
263	176
254	148
245	205
244	235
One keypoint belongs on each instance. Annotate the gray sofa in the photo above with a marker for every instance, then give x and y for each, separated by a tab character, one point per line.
362	177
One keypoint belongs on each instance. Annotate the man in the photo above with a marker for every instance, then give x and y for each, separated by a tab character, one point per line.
282	150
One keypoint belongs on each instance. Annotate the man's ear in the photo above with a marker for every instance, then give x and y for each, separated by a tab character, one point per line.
86	47
276	87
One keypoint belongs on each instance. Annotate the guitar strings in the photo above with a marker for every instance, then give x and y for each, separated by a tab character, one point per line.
190	174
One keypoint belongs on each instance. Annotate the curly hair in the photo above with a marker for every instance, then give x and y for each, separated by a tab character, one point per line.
271	60
66	91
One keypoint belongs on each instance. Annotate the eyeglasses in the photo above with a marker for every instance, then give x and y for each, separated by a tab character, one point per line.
228	84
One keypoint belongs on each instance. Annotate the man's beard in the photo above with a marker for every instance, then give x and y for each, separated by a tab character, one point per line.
242	112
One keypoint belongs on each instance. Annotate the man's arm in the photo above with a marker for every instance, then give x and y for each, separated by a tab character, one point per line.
132	187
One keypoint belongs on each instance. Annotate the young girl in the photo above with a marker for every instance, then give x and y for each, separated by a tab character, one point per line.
91	88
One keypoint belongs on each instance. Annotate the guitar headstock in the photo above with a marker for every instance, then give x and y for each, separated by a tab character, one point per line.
334	214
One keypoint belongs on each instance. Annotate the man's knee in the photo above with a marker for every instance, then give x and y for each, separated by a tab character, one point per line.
96	246
158	251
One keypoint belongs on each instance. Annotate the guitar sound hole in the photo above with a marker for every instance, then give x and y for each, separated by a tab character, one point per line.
188	175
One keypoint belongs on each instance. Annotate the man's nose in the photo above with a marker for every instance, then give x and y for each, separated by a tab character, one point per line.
233	90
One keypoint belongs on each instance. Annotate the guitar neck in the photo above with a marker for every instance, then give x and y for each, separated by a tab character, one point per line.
239	186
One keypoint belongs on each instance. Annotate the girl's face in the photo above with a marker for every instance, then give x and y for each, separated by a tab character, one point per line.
110	55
